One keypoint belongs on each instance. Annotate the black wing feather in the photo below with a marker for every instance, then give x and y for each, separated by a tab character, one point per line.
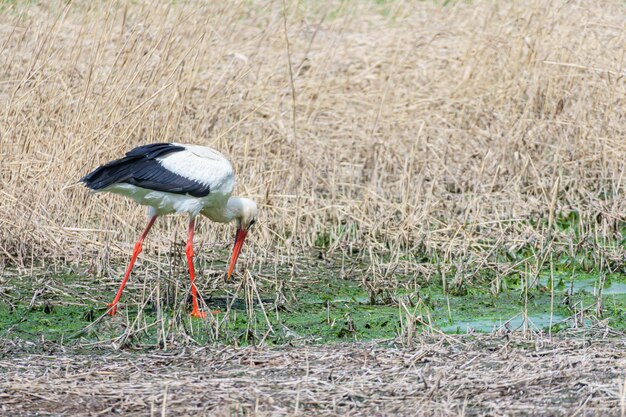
154	150
141	168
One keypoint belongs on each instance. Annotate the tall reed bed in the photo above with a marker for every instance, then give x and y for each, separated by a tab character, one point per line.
413	136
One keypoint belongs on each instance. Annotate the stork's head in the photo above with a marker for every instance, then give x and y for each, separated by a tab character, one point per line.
245	211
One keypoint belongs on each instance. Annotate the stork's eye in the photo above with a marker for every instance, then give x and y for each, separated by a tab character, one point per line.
251	223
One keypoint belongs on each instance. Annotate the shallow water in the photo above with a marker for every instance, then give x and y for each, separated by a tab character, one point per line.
538	320
535	322
587	284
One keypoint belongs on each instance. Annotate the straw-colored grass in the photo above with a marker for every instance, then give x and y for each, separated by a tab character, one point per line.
461	132
452	377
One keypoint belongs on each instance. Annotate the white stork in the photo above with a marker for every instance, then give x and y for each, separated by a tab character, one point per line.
176	178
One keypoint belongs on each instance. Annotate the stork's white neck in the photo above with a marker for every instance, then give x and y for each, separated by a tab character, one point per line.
236	208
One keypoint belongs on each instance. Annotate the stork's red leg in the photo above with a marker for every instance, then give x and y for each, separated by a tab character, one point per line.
192	275
136	252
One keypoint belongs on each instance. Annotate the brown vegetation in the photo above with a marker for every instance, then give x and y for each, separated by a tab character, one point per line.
455	376
459	132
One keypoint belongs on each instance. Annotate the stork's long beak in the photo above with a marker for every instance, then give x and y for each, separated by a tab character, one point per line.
239	238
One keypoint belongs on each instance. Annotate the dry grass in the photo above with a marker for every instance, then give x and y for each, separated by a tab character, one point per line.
460	133
446	377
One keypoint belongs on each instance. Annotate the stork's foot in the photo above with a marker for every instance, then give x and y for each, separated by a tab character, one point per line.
199	314
202	314
112	309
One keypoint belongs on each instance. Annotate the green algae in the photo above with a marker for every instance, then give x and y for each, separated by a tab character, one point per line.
63	309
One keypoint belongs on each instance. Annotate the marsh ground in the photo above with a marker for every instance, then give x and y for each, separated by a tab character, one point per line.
321	348
70	308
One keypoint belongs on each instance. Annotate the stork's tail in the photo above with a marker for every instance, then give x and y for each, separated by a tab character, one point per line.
105	175
121	170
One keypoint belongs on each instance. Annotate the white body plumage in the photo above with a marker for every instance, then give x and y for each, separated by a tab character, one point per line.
200	164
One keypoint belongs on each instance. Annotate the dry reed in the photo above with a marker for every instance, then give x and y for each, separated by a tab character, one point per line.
457	376
458	134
